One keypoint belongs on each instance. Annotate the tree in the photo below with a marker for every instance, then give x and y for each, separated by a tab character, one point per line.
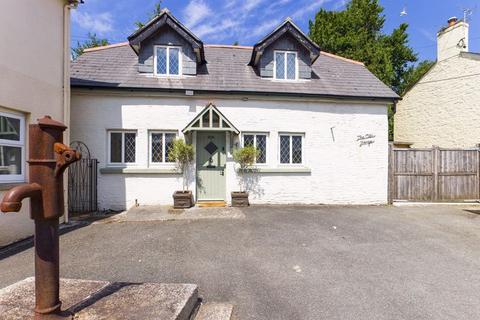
356	33
245	157
414	74
92	42
156	11
183	154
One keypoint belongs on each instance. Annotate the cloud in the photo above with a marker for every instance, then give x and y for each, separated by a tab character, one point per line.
100	23
265	28
195	12
315	5
218	31
427	34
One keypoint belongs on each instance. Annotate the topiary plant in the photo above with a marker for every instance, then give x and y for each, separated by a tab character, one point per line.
183	154
245	157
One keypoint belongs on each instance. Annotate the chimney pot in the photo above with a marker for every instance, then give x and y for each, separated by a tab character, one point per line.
452	21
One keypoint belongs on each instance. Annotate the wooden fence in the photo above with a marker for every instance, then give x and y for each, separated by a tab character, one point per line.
434	175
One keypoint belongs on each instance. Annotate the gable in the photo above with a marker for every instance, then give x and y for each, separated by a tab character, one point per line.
210	119
285	42
166	36
165	19
288	27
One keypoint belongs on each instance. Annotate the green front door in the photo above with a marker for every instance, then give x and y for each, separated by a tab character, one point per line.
211	159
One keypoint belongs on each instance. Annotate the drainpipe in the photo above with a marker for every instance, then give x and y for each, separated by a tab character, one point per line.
66	91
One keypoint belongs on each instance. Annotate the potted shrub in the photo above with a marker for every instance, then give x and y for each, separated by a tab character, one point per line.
183	154
245	157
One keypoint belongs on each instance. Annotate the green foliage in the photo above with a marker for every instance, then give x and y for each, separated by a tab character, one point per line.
156	11
414	74
92	42
245	157
183	154
356	33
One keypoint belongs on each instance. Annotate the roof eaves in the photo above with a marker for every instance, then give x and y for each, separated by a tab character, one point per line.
391	98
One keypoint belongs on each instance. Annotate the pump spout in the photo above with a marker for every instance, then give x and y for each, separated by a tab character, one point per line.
12	201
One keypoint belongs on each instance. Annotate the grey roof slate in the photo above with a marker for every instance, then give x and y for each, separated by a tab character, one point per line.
227	70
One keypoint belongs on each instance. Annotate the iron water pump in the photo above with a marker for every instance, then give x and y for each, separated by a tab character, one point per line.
49	158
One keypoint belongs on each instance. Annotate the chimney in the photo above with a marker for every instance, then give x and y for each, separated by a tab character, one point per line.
452	39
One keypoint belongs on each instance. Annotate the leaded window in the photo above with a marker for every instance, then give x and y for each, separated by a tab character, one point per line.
285	65
12	147
122	147
167	60
259	141
291	149
161	144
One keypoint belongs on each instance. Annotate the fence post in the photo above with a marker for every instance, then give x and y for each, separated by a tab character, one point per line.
391	173
478	173
436	169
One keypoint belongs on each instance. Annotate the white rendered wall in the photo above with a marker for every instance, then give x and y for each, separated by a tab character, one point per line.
442	108
342	171
31	79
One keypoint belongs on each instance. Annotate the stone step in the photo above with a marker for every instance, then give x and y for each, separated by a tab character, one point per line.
89	300
211	204
214	311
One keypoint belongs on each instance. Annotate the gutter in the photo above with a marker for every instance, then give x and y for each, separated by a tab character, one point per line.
239	92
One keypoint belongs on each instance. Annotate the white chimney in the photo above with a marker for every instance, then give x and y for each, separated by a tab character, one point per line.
452	39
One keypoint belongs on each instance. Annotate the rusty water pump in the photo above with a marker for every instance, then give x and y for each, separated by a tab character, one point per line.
49	158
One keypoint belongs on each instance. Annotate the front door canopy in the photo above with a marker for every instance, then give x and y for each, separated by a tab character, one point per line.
210	119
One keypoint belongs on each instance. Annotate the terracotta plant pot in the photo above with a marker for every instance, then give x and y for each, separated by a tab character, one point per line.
182	199
240	199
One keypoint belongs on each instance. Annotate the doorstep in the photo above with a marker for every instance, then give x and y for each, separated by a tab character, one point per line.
211	204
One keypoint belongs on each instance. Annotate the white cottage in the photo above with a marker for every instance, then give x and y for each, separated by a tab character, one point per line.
319	120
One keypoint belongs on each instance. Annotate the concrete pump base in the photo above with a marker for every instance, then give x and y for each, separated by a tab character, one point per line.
98	300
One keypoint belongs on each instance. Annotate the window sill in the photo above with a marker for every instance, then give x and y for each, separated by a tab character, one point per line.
282	170
113	170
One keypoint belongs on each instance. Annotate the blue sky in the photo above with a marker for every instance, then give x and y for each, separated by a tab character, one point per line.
247	21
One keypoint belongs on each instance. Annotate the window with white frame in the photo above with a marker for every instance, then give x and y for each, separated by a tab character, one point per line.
167	61
12	147
285	65
122	146
291	148
160	145
259	141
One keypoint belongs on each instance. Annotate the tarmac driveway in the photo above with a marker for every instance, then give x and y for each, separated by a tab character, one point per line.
294	262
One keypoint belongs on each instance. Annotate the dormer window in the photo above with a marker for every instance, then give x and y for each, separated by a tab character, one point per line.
167	61
286	65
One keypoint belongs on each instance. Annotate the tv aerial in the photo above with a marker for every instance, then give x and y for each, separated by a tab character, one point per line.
467	12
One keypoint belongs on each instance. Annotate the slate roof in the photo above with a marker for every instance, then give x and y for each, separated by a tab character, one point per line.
227	71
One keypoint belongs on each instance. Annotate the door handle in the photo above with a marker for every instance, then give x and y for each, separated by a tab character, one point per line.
222	173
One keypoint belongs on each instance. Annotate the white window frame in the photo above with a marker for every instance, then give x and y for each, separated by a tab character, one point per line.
254	134
284	52
180	61
290	163
11	178
150	152
109	144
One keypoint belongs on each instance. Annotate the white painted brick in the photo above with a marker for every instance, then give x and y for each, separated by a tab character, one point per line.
342	171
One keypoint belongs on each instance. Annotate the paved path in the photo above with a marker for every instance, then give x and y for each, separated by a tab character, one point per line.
294	262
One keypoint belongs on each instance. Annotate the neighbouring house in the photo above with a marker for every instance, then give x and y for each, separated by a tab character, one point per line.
318	120
442	109
34	81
